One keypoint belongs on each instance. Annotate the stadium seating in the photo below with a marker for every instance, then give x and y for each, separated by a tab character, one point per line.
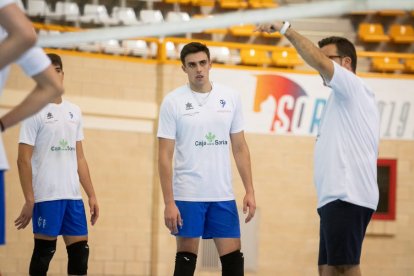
243	30
409	66
386	64
254	57
286	58
372	32
401	33
37	8
125	15
233	4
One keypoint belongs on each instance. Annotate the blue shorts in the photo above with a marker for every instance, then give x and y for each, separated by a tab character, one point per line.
60	217
342	230
209	219
2	210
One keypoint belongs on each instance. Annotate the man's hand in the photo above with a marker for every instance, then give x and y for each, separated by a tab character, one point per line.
269	27
94	209
172	218
25	216
249	204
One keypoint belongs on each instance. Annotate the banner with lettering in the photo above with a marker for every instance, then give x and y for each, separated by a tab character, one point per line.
292	104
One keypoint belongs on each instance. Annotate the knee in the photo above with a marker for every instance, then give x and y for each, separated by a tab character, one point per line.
42	255
232	264
78	254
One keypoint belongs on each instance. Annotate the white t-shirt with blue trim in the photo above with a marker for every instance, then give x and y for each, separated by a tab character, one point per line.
53	132
202	166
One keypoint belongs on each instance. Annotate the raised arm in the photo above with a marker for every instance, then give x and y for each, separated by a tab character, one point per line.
306	49
242	157
24	164
21	34
48	87
172	217
86	182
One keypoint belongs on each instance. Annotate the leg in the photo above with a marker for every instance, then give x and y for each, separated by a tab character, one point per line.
75	234
343	270
232	261
78	254
44	249
186	257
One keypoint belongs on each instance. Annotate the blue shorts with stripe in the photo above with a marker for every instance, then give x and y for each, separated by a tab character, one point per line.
60	217
209	219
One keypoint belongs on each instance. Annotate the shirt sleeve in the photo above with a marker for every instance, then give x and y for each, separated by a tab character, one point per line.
237	125
4	3
33	61
344	83
167	123
29	129
79	132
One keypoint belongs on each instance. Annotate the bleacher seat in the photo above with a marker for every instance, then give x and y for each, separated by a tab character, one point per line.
233	4
177	16
112	46
136	47
386	64
262	4
372	32
67	11
243	30
254	57
151	16
409	65
89	47
211	31
37	8
203	3
401	33
125	15
220	54
182	2
391	12
97	14
286	58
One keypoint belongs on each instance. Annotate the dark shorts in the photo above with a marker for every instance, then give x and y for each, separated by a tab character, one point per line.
2	210
209	219
342	230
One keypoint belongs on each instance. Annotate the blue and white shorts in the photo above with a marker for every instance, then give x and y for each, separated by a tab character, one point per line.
209	219
60	217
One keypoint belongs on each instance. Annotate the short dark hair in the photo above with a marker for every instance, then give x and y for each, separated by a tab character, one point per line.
55	59
192	48
344	46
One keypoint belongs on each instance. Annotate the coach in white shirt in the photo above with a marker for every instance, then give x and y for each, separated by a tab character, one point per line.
345	153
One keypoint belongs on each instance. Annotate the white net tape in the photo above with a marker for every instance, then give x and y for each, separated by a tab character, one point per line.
313	9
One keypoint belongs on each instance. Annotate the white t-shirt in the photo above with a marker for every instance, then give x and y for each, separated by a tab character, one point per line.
53	132
32	62
5	3
202	167
346	148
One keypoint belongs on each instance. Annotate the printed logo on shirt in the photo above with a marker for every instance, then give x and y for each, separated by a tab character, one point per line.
222	103
210	141
63	146
188	106
71	115
49	115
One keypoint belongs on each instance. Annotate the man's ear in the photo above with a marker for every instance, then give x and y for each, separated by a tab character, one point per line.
347	61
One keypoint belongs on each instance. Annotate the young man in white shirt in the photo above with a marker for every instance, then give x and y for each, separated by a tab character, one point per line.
345	153
51	165
199	121
16	37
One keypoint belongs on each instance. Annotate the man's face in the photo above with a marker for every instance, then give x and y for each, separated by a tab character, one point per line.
197	67
59	71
